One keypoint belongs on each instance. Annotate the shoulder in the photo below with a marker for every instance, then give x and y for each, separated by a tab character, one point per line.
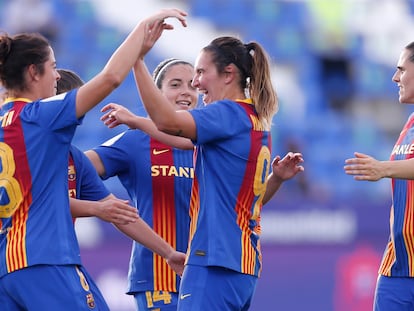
78	155
64	97
116	140
73	149
129	143
220	105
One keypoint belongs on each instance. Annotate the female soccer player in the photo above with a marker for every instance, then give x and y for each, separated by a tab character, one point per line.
158	179
395	284
233	159
88	194
40	267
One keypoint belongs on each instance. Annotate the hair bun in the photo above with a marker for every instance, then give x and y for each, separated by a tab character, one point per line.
5	48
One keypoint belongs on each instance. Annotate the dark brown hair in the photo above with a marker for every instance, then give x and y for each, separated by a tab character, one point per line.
253	64
17	53
69	80
159	72
410	47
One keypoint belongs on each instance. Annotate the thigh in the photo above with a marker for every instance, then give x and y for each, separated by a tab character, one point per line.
94	293
394	294
156	300
215	288
7	302
46	287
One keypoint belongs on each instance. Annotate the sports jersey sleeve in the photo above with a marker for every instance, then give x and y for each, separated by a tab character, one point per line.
114	156
216	121
158	180
89	185
52	114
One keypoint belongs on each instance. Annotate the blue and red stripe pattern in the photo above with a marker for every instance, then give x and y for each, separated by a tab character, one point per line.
398	259
158	180
232	165
35	221
19	178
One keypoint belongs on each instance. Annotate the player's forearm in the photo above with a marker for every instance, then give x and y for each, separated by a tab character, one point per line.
141	233
401	169
159	109
112	75
272	186
83	208
147	126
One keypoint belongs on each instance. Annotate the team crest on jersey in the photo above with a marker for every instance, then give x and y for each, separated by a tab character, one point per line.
90	301
71	172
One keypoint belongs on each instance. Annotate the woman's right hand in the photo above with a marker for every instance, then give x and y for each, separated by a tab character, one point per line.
115	114
155	25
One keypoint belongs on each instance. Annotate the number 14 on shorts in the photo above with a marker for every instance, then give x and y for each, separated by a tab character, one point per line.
157	296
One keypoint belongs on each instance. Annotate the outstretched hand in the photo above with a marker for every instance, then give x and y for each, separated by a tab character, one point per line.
364	167
287	167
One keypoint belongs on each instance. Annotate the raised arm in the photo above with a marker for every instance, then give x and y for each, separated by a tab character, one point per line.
121	62
161	112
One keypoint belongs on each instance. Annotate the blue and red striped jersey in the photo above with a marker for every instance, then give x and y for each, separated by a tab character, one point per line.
233	153
87	185
398	259
158	180
35	221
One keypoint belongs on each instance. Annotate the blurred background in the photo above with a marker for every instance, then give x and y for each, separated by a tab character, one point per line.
332	63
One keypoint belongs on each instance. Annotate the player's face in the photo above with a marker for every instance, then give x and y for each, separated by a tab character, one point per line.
404	77
50	76
207	80
177	87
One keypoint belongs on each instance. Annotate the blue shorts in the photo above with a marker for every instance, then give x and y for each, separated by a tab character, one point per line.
394	294
215	288
156	301
47	287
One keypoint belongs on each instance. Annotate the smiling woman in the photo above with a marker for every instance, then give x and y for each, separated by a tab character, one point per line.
232	165
395	285
158	179
35	142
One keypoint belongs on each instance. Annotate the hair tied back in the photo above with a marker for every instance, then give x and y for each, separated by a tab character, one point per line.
250	48
5	48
